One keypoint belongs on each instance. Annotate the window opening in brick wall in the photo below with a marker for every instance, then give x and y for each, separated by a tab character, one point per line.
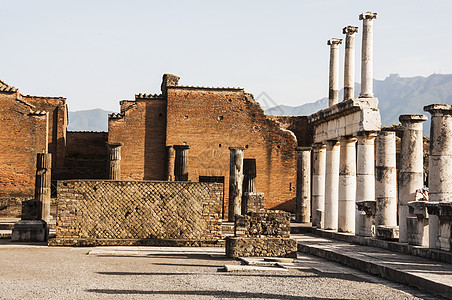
217	179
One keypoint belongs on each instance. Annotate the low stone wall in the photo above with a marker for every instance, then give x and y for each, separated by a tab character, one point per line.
92	212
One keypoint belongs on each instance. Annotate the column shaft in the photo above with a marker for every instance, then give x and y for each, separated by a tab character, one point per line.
114	161
349	62
347	185
367	55
303	196
171	161
386	179
334	71
318	183
331	185
43	183
181	162
411	167
235	182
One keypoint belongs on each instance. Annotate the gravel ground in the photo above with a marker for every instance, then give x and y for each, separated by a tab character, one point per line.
30	272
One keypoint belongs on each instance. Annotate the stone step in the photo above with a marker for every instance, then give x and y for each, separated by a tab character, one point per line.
6	226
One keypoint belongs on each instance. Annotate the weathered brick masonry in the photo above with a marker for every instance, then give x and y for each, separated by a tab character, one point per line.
138	213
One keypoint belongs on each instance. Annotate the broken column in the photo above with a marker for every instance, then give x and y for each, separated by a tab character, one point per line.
114	158
349	62
235	182
171	158
303	195
318	184
331	184
347	185
411	173
334	71
440	176
181	162
365	183
367	55
36	212
386	186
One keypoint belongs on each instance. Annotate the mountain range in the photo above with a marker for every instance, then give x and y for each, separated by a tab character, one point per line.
397	95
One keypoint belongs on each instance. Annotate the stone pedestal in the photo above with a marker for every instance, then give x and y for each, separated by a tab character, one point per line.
417	223
440	173
334	71
331	185
347	185
318	184
367	55
235	182
411	170
181	162
365	177
366	222
30	231
303	196
386	180
349	62
114	161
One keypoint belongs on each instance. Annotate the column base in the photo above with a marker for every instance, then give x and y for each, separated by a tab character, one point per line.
30	231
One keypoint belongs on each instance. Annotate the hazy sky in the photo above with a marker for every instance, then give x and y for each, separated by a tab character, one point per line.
96	53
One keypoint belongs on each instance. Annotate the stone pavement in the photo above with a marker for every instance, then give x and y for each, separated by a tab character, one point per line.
426	274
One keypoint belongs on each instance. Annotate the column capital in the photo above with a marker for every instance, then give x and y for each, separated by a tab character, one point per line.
181	147
303	148
368	16
349	30
114	144
439	109
318	146
347	138
367	134
236	148
415	118
334	41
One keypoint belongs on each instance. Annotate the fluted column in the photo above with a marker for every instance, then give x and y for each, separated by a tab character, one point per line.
440	163
318	184
411	170
181	162
114	161
43	183
367	55
235	181
303	195
386	180
349	62
347	185
334	71
331	185
171	161
365	177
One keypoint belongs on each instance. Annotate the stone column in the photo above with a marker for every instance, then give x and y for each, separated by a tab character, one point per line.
440	162
334	71
331	185
347	185
318	184
365	178
43	183
114	158
411	173
235	182
349	62
303	196
171	160
386	180
367	55
181	162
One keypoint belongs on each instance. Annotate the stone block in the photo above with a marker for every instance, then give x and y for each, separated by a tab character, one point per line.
252	201
417	231
31	210
30	231
418	208
260	247
388	232
263	223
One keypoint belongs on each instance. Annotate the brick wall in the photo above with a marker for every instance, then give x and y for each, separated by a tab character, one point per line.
138	212
142	129
299	126
211	120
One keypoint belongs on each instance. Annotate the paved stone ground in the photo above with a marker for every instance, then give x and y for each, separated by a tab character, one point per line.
40	272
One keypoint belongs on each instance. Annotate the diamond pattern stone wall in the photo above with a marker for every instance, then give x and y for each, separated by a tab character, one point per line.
92	212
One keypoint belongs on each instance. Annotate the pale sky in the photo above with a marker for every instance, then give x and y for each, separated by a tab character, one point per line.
96	53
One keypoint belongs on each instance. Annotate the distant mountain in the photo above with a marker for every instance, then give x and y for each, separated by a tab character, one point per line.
397	95
88	120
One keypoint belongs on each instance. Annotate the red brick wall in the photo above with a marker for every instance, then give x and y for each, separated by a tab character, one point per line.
22	135
88	143
299	126
212	120
142	130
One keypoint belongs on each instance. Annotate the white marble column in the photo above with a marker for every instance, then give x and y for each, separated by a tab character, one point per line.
318	184
440	163
347	185
331	184
365	175
333	90
386	180
349	62
235	182
411	167
367	55
303	196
